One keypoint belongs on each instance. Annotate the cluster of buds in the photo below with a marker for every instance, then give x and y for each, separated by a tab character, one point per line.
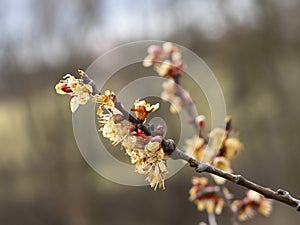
166	60
175	95
209	197
78	91
145	147
246	207
145	151
219	150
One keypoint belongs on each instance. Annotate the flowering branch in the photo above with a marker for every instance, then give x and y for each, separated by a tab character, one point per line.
279	195
127	116
169	147
149	151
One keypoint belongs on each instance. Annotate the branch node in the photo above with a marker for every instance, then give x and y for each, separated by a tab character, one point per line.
298	207
283	192
168	146
202	167
236	178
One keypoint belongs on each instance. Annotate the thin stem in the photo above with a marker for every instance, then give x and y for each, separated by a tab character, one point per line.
212	219
228	204
127	116
187	104
175	153
279	195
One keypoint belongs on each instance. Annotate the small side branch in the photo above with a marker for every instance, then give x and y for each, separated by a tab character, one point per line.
127	116
279	195
175	153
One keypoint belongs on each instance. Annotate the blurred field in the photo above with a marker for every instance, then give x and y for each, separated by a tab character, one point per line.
43	177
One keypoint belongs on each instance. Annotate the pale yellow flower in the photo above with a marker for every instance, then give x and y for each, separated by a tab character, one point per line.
151	161
141	109
157	175
206	196
253	200
166	60
195	146
79	92
169	94
106	101
221	163
115	132
155	55
164	68
233	146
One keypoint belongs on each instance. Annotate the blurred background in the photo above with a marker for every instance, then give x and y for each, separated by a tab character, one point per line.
253	48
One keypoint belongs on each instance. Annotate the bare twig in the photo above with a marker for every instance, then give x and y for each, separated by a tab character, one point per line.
212	219
187	105
127	116
233	213
279	195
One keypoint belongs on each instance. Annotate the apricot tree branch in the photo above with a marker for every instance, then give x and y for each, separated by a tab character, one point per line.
127	116
187	104
175	153
279	195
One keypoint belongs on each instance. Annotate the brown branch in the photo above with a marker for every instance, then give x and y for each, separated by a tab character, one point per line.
187	104
279	195
233	213
169	147
127	116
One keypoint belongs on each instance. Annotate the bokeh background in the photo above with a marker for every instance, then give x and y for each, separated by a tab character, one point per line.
253	48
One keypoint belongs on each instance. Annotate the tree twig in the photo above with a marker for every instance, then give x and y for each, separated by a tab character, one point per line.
212	219
175	153
127	116
187	105
279	195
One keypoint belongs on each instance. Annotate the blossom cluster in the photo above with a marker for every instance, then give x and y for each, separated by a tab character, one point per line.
245	208
167	62
218	148
209	197
145	151
221	148
212	199
78	91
